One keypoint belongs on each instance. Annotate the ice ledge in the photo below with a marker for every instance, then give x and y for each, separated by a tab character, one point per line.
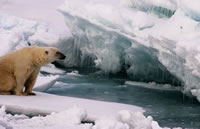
68	112
43	104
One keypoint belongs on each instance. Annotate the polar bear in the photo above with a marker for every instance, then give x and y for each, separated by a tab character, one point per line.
19	70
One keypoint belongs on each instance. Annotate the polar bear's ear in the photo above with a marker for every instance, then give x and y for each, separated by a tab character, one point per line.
47	52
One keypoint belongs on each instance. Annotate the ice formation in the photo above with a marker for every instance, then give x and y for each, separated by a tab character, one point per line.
148	40
43	83
71	118
153	85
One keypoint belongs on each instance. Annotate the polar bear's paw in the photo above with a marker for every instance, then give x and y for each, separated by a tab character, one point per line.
32	93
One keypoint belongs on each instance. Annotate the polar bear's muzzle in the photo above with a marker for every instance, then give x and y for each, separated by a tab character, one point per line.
60	55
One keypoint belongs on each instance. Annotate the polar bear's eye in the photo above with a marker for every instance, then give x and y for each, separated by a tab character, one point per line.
47	52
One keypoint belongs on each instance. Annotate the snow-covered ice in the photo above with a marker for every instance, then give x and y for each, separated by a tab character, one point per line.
69	112
153	85
43	83
53	103
51	69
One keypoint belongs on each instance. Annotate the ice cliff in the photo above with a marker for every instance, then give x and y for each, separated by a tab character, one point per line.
147	40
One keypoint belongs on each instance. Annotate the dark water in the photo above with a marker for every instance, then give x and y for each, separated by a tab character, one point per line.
169	108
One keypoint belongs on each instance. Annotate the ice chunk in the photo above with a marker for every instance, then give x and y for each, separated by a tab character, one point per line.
2	111
43	83
65	119
136	120
72	118
50	68
109	124
153	85
74	73
196	93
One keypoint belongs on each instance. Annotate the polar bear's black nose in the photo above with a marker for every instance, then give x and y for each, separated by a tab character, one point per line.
60	55
63	57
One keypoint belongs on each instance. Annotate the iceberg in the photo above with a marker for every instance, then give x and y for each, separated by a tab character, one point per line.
109	41
147	40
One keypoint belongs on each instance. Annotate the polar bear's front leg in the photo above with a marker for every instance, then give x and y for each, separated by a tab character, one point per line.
30	82
20	80
20	86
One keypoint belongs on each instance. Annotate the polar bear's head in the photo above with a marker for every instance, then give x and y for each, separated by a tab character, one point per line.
46	55
53	54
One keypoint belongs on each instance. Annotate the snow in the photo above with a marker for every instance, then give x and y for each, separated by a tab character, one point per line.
137	120
43	101
68	112
64	119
